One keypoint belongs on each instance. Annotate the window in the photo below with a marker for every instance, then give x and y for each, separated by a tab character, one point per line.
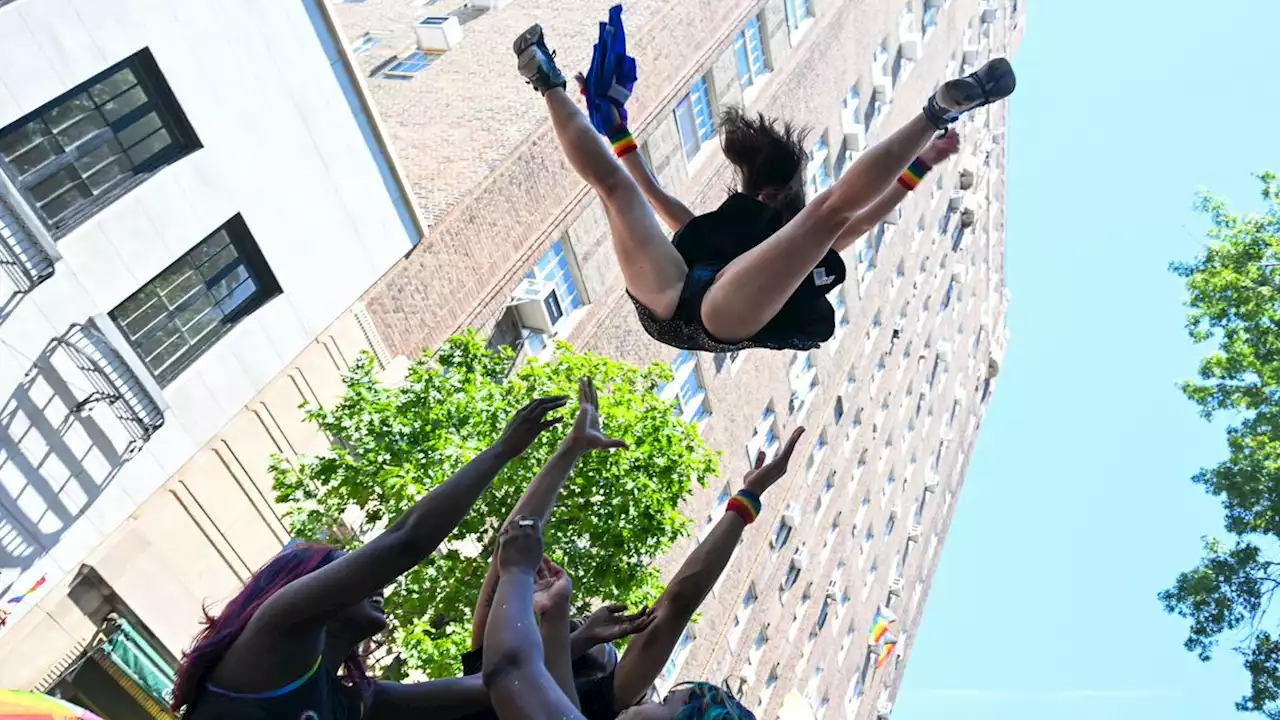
181	313
890	523
827	486
817	176
803	377
815	455
889	482
741	616
871	578
765	437
786	524
694	120
404	68
837	412
722	502
797	12
749	52
678	656
728	361
686	388
86	148
793	574
556	267
929	20
367	42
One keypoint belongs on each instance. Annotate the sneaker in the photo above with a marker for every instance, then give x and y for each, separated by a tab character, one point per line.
989	83
537	62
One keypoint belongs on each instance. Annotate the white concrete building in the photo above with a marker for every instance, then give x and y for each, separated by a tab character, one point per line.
190	195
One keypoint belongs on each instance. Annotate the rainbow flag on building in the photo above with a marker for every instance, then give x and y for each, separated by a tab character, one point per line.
23	596
886	650
880	625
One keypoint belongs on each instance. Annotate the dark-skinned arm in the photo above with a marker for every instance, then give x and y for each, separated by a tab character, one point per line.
649	651
311	601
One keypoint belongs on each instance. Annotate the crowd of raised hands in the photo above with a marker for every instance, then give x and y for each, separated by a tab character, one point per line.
529	658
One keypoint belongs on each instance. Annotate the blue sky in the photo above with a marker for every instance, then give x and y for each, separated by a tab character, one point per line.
1078	507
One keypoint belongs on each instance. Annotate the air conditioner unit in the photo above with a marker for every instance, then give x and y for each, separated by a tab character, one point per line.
791	516
855	132
966	179
537	305
894	216
911	44
967	218
914	532
882	84
490	4
895	586
438	33
800	558
833	591
944	351
959	272
956	202
972	51
993	368
931	485
989	14
884	710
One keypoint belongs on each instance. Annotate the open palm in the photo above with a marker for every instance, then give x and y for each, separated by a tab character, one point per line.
586	432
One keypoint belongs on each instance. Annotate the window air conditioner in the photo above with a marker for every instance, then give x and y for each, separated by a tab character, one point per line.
882	84
944	351
966	179
833	591
438	33
791	516
895	586
855	132
894	216
800	558
914	532
537	305
959	272
490	4
911	43
967	218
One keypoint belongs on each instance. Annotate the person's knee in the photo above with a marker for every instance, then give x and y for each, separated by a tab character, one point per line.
614	184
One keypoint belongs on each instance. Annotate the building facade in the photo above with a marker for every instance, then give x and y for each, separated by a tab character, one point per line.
892	405
357	127
192	197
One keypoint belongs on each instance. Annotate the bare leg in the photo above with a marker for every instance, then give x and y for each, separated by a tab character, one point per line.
651	266
769	273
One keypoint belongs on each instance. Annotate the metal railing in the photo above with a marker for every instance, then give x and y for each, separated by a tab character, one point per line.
114	383
22	257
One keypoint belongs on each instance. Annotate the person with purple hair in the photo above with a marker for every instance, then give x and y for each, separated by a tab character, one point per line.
288	644
755	272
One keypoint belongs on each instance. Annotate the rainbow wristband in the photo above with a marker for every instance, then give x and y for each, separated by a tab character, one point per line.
746	505
622	142
915	172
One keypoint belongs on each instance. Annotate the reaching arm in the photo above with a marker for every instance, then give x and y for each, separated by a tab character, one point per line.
311	601
556	651
941	148
519	685
444	699
869	216
540	497
674	213
649	651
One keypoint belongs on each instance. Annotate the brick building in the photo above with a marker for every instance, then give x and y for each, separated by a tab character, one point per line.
892	406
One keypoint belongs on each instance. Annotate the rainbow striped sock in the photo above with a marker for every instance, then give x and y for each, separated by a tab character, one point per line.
621	141
915	172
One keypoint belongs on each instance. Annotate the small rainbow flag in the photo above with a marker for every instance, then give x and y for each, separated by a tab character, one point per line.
886	651
880	624
23	596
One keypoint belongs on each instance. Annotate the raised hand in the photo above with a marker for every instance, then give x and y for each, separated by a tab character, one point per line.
610	623
520	546
942	147
763	475
586	434
527	424
552	588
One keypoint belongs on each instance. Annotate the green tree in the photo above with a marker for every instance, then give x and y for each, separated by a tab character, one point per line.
1234	300
617	512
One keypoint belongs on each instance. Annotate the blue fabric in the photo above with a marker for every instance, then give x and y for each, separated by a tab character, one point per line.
612	75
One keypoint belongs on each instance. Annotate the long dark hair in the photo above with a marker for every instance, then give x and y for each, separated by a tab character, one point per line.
222	629
770	158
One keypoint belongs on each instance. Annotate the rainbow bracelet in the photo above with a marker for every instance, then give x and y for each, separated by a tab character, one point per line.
621	141
915	172
746	505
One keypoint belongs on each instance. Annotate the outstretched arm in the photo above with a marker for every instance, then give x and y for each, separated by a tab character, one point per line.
519	685
540	497
943	147
649	651
670	209
311	601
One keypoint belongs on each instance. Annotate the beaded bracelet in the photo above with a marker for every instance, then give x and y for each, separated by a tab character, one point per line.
915	172
746	504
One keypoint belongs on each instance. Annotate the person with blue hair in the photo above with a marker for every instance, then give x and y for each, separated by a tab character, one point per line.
755	272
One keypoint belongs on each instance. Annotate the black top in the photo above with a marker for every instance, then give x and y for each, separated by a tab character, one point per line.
711	241
314	696
595	694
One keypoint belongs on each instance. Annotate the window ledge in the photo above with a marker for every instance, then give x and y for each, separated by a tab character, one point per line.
752	92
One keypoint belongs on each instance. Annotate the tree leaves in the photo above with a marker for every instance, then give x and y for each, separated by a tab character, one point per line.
1234	300
617	512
